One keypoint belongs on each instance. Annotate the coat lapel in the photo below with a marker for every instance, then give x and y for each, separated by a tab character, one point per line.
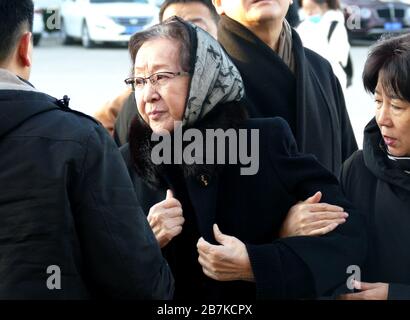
312	107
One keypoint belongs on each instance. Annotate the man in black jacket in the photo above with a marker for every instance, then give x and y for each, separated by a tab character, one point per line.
70	224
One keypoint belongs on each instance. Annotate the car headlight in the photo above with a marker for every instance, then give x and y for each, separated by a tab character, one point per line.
102	22
365	13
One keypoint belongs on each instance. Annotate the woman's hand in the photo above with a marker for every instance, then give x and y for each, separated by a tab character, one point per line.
227	261
166	219
311	218
368	291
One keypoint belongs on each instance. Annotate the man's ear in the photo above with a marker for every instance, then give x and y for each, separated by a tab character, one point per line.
24	49
218	6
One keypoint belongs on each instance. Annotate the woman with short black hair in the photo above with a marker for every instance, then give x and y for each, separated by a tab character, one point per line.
377	179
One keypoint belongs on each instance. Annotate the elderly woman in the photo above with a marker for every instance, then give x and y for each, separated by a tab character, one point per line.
377	179
219	224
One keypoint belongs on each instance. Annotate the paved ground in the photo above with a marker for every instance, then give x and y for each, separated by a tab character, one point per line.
92	76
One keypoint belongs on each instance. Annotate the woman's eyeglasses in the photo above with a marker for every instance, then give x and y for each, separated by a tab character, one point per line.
159	78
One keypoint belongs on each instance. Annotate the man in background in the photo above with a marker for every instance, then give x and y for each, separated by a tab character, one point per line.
284	79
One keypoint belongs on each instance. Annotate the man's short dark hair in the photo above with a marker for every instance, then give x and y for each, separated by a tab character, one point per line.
207	3
389	60
16	17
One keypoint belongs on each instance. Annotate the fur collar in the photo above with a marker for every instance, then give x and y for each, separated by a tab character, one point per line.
223	116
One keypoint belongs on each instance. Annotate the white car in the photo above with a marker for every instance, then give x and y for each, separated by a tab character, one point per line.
97	21
42	9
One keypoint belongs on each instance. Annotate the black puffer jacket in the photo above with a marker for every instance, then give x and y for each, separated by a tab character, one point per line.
66	200
381	189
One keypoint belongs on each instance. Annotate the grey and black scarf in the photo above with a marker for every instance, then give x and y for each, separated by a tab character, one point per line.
214	101
215	79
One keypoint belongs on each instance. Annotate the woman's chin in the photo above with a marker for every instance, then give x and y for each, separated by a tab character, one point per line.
165	127
161	129
396	152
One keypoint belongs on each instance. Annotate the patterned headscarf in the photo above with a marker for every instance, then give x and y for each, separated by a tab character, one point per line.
215	78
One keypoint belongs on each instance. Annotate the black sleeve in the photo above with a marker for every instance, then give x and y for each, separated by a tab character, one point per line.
327	257
398	291
349	143
345	176
279	273
123	122
122	258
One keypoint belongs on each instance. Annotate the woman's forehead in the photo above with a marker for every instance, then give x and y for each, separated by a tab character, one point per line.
157	54
387	86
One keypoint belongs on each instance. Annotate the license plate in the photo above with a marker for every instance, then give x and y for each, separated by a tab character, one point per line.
393	26
132	30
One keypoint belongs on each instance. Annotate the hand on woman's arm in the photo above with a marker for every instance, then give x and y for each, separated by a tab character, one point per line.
378	291
311	218
368	291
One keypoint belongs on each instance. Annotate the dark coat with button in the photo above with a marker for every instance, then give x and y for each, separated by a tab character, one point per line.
251	208
124	119
380	187
66	200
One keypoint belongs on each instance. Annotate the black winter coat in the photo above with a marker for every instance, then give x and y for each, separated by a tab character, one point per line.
382	192
124	119
311	101
66	200
251	208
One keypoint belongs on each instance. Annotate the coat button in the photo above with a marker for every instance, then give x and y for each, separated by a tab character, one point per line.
204	180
